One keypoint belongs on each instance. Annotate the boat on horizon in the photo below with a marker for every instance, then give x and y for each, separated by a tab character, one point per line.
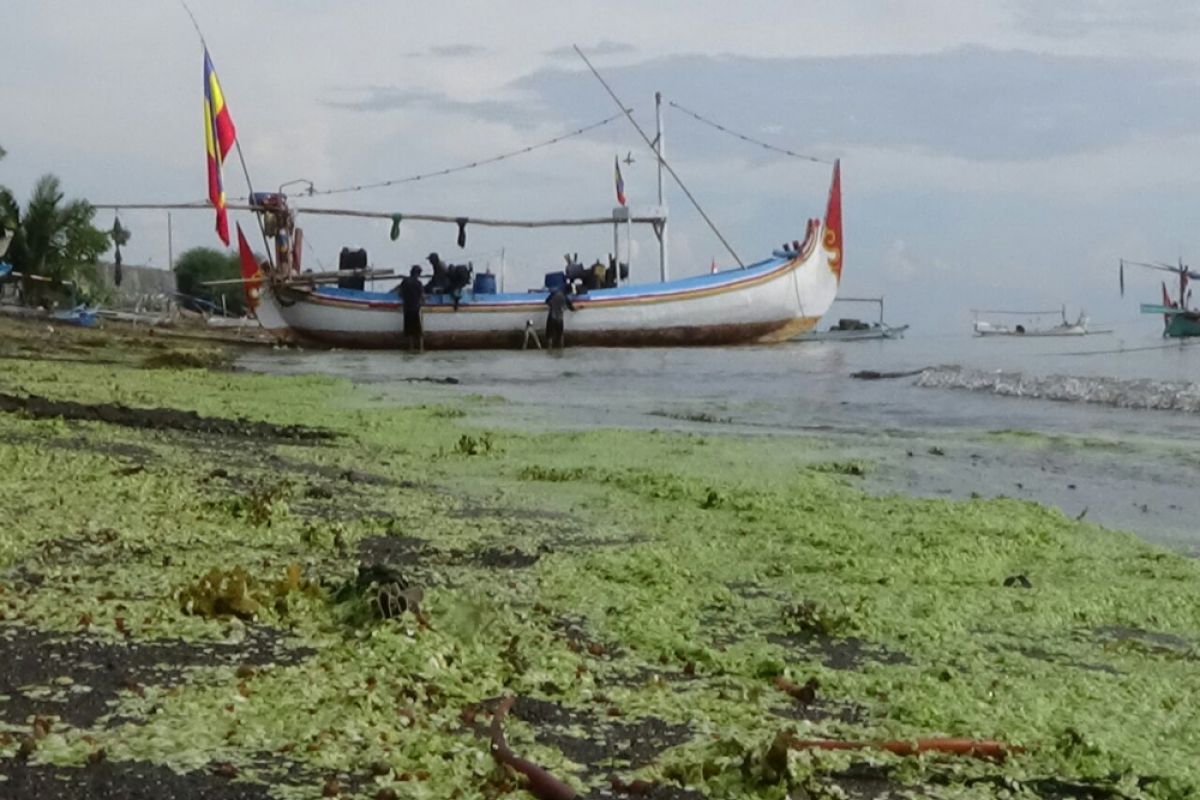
855	330
1064	328
1179	321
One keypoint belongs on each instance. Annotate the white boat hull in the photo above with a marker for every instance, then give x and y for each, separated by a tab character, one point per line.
771	301
862	335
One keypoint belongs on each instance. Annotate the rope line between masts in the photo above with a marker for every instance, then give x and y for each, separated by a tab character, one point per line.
658	155
312	192
746	138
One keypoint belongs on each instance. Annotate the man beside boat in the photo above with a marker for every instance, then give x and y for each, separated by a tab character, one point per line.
412	297
556	317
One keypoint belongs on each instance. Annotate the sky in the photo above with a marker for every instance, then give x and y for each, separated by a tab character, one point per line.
994	154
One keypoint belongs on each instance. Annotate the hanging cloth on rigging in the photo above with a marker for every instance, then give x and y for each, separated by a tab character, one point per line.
462	231
395	234
119	236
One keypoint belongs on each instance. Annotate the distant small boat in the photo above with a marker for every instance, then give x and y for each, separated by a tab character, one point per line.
1065	328
855	330
1179	321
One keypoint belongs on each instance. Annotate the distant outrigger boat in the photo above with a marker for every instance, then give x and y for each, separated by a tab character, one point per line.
1178	320
1066	328
854	330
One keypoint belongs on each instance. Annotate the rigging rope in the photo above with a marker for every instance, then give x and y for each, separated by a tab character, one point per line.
745	138
464	167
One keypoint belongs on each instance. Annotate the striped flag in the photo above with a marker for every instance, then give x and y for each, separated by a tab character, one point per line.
620	181
219	136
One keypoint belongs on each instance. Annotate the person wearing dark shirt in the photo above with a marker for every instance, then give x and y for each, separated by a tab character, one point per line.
412	296
559	303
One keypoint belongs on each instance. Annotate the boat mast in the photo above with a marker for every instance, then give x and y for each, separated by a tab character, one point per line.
660	230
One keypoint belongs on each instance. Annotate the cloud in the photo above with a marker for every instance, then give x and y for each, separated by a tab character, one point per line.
971	102
457	50
1070	19
396	98
605	47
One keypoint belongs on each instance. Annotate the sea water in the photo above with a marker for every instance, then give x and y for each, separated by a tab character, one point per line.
1132	397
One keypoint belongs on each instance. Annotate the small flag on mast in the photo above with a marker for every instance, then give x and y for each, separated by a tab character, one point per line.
219	136
251	273
620	181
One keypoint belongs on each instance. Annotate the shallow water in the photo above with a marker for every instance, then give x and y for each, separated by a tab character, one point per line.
1131	467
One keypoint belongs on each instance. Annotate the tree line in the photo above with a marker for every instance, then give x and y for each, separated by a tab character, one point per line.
54	239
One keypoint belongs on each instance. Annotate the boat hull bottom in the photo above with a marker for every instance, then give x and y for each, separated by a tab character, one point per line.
1183	326
683	336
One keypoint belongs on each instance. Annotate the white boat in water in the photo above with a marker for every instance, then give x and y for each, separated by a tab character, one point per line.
771	300
1020	329
855	330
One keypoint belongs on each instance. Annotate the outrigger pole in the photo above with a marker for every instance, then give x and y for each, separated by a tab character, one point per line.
662	162
347	212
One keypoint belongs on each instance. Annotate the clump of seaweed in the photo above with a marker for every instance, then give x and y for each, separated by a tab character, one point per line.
222	594
262	505
534	472
813	619
186	359
468	445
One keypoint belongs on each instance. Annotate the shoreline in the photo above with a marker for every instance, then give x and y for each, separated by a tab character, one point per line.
641	593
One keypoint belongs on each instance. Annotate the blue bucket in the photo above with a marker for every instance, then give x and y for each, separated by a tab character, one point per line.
556	280
485	283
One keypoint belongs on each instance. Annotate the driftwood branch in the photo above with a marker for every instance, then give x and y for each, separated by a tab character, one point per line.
541	784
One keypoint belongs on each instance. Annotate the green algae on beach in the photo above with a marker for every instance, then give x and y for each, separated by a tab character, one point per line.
639	592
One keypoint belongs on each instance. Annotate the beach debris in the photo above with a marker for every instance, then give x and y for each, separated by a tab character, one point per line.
637	787
856	467
384	591
804	693
539	783
776	764
875	375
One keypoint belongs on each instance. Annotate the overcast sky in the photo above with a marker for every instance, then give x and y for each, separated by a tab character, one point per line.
994	153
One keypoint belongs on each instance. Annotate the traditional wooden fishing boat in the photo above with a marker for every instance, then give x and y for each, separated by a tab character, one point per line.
771	300
1178	320
855	330
1065	328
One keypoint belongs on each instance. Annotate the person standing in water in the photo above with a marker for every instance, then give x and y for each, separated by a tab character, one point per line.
412	297
558	302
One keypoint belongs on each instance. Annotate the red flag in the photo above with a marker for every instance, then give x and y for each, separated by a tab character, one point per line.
251	274
620	182
219	137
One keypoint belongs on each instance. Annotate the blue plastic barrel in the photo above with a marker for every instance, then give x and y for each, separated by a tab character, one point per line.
485	283
556	280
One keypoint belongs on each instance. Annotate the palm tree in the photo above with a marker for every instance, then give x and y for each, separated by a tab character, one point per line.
53	240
